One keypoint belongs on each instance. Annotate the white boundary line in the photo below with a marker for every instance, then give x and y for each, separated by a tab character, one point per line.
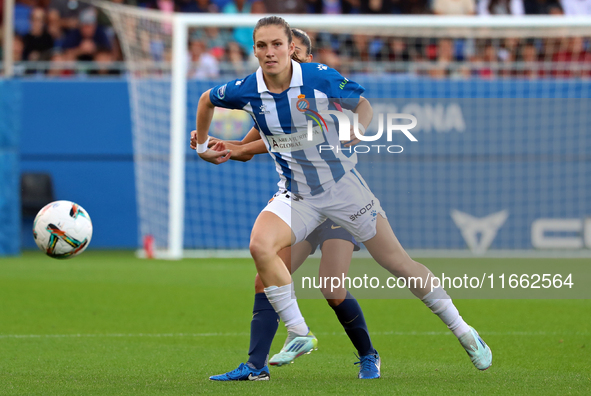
373	333
420	253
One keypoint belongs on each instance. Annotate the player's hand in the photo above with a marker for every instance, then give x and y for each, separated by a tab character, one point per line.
354	140
234	149
217	154
213	140
193	141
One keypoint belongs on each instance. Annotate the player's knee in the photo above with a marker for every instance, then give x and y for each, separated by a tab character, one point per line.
258	285
259	249
334	302
334	297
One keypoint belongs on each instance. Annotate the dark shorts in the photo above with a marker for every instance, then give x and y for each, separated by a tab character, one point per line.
329	230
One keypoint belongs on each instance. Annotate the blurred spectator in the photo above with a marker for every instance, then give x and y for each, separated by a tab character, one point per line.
242	36
500	7
22	16
530	66
54	27
285	6
454	7
576	7
352	50
572	51
105	67
82	44
325	6
445	57
202	64
220	4
235	57
367	7
57	69
69	11
555	9
37	42
17	56
198	6
398	50
216	38
411	6
537	7
489	57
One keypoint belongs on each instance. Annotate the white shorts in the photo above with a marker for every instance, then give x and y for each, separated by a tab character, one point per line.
349	203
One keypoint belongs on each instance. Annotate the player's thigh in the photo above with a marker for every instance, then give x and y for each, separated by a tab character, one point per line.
299	253
385	248
353	206
301	217
336	257
269	234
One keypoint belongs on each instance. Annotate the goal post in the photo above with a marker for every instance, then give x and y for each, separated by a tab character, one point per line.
193	209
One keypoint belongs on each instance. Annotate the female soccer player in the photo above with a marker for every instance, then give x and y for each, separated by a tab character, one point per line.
337	247
316	184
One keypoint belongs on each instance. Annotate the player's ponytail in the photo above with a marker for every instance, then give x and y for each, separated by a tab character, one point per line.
305	39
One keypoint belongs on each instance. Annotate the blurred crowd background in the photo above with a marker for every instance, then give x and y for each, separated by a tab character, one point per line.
56	33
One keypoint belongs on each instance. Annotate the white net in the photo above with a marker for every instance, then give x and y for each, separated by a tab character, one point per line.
502	108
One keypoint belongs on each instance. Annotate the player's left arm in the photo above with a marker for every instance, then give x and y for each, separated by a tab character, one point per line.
348	94
365	113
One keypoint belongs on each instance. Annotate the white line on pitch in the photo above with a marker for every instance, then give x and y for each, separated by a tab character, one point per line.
374	333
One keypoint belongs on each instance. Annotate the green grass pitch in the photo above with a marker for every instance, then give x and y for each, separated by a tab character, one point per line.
106	323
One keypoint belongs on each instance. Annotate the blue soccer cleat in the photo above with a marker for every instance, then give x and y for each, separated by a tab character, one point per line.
480	354
244	372
369	366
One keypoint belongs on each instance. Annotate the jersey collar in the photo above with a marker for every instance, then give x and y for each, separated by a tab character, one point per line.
296	77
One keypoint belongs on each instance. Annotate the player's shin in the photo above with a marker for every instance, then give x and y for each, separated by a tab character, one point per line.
262	330
285	304
351	317
439	302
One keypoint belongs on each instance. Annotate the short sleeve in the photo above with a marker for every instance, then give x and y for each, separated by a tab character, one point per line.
229	95
346	90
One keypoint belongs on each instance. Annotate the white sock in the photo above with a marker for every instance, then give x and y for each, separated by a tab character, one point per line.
441	305
286	306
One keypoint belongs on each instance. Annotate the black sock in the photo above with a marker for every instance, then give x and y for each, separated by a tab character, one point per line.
262	330
351	317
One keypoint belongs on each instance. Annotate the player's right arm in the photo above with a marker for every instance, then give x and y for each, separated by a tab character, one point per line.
205	110
251	145
243	150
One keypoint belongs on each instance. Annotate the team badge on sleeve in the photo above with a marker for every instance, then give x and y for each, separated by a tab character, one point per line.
222	92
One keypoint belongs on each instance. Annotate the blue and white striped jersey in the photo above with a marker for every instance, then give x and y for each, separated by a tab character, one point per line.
305	169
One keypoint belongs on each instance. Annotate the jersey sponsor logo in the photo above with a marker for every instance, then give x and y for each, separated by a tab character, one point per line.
222	92
362	211
264	109
342	84
322	67
295	141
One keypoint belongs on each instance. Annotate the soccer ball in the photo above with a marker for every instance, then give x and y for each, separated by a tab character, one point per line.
62	229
